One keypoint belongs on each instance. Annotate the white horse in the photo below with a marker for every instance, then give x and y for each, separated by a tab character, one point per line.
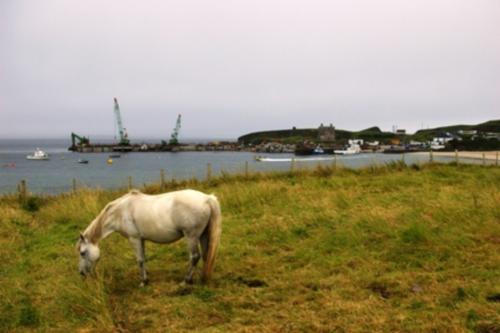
162	218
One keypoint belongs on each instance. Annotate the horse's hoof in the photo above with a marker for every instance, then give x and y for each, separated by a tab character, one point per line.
188	280
144	283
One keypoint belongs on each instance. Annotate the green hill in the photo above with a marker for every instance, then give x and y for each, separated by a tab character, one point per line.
428	134
311	134
370	134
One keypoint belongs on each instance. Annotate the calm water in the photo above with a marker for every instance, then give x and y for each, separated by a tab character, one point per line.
56	175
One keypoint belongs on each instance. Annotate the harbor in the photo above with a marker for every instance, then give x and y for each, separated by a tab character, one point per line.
64	171
323	140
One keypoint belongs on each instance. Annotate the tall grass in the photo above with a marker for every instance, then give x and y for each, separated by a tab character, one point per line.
388	248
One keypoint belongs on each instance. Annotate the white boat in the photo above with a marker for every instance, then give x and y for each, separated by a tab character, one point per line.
38	155
352	149
437	146
318	150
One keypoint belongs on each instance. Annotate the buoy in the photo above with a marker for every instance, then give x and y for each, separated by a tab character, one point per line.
110	161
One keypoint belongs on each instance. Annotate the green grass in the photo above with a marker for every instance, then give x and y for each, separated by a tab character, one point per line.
388	249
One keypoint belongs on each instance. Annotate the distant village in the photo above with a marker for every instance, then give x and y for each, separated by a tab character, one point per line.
326	139
323	140
320	140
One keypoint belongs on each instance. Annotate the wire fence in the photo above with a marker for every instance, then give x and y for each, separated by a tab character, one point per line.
289	164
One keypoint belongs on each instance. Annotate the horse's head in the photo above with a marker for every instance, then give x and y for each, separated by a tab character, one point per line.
89	255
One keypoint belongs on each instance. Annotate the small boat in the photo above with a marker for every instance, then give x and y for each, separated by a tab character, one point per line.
308	150
39	155
318	150
82	161
352	149
115	156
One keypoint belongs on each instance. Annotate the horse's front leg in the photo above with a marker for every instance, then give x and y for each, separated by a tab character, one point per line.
138	245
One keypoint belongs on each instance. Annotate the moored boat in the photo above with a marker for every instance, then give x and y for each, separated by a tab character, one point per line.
350	150
318	150
38	155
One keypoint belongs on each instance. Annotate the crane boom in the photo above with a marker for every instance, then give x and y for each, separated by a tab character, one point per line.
82	141
174	138
124	141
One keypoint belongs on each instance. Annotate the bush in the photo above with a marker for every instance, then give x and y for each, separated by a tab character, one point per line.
32	204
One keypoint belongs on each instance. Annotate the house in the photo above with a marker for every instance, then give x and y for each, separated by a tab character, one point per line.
326	134
467	132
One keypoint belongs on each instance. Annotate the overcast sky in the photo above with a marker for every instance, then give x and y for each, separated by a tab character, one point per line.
231	67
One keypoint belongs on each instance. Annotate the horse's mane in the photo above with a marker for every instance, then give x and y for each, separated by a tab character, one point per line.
94	231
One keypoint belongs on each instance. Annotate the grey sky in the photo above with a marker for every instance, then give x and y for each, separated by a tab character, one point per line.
232	67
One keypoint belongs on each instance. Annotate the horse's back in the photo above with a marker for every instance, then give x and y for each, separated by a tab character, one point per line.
167	217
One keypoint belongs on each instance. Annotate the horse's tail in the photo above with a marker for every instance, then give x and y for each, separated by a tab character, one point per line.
213	234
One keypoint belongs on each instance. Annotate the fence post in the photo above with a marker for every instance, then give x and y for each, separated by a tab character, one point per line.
431	157
403	158
292	165
209	171
334	162
484	159
246	169
496	160
162	180
456	156
129	183
23	191
74	184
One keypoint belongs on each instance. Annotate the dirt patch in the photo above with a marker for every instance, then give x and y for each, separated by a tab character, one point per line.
381	288
252	283
181	291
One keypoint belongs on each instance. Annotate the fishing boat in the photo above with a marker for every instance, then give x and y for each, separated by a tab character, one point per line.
115	156
353	148
318	150
39	155
82	161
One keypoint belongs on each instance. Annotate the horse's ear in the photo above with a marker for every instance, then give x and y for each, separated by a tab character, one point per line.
82	238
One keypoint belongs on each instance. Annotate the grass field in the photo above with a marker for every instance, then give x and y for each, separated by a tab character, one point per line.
388	249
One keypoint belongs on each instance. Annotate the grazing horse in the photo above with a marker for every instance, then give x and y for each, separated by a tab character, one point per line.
163	218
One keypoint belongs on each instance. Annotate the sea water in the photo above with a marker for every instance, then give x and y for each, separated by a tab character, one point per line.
56	175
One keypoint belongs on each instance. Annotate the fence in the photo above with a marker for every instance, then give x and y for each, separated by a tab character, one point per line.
23	191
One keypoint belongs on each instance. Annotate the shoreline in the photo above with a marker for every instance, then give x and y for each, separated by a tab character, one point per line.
489	155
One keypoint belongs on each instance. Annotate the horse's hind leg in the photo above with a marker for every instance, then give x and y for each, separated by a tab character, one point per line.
194	257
